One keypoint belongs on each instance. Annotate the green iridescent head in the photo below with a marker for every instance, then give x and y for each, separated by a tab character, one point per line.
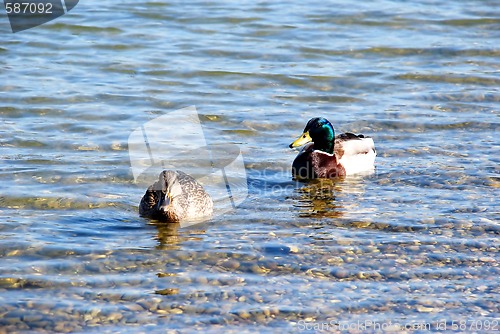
320	131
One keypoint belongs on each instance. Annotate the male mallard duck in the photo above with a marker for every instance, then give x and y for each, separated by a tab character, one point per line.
176	196
330	156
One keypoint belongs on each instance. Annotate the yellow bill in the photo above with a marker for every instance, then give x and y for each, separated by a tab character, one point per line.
302	140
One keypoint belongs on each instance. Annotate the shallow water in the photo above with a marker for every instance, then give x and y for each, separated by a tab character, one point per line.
414	244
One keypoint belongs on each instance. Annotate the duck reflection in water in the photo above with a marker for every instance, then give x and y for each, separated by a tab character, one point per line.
169	236
331	198
317	199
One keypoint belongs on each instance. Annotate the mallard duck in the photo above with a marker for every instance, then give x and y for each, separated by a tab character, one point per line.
175	197
330	156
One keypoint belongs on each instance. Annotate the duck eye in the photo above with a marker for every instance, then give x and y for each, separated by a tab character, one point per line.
303	136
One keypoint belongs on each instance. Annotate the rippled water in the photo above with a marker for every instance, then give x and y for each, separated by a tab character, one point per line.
414	244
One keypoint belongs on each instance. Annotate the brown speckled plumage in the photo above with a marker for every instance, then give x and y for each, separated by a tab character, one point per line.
175	197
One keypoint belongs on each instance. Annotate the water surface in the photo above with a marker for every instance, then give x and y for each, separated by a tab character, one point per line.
416	243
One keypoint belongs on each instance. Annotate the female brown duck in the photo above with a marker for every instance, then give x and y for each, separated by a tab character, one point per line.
175	197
